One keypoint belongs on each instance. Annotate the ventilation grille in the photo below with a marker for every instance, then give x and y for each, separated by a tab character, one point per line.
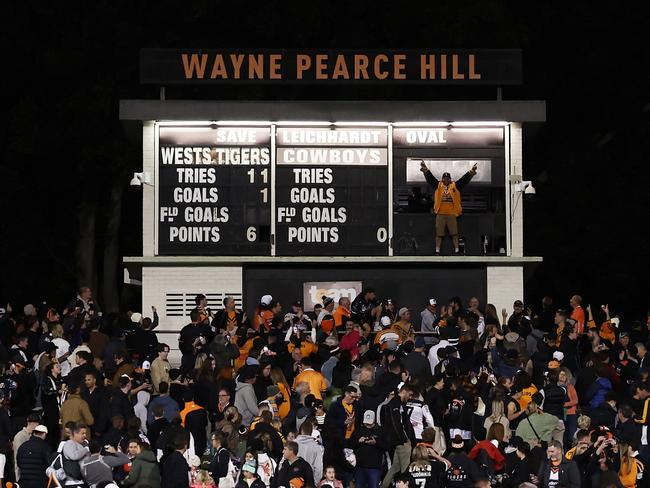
181	304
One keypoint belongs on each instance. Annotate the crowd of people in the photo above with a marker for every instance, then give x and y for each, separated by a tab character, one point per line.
352	394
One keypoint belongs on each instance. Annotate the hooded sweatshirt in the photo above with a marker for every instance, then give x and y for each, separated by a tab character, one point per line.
144	471
140	409
312	452
246	402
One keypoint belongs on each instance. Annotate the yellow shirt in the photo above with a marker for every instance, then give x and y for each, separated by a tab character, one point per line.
314	379
350	427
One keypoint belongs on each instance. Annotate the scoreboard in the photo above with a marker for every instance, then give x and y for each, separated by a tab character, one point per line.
283	189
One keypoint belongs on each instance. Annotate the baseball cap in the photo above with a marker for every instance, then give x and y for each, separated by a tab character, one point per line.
327	301
125	379
136	317
433	301
615	321
266	300
518	303
369	417
402	311
146	365
41	428
457	442
446	175
385	321
559	355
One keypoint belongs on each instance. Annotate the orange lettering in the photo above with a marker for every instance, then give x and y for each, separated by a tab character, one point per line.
428	67
321	66
473	75
274	67
219	68
443	66
361	67
340	68
194	65
303	63
399	67
379	74
237	60
256	66
454	68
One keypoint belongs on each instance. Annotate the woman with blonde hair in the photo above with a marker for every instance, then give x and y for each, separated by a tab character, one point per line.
498	416
630	468
565	380
426	469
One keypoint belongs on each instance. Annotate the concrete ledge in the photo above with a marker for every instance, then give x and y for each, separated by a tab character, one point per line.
212	260
336	110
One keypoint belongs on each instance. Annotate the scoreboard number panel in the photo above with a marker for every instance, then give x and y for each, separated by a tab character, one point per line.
331	191
214	190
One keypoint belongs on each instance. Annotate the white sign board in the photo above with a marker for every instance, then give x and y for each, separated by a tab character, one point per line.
313	292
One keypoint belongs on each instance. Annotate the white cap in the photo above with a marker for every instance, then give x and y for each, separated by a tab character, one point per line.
369	417
266	300
146	365
558	355
615	321
385	321
432	301
136	317
40	428
402	311
194	460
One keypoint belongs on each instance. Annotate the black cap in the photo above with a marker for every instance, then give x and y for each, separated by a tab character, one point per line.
518	303
327	301
446	175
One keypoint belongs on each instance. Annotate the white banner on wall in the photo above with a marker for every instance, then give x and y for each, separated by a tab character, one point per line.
313	292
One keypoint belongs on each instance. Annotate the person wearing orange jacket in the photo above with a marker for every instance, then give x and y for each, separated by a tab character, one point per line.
447	203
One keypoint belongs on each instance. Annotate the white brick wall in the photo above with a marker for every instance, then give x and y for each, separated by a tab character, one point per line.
158	282
505	284
516	200
148	193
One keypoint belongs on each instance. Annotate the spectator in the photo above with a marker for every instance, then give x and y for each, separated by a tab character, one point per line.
557	470
245	399
175	468
310	450
32	459
369	449
74	450
97	468
316	382
98	401
293	466
144	470
160	368
399	433
75	408
168	404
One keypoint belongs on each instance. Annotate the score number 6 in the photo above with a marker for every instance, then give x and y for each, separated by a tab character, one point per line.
251	234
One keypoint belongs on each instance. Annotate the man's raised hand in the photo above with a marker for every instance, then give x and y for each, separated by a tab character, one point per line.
423	167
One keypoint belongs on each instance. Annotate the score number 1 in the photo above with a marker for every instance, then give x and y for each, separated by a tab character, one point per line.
265	179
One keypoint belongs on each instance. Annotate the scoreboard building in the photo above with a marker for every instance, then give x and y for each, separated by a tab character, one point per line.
303	198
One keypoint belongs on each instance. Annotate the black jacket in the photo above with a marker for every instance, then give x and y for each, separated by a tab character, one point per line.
33	457
219	464
174	471
121	405
398	428
299	469
196	422
554	398
569	474
99	407
368	455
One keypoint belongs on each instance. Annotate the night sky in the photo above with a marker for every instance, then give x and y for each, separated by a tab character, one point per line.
66	158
